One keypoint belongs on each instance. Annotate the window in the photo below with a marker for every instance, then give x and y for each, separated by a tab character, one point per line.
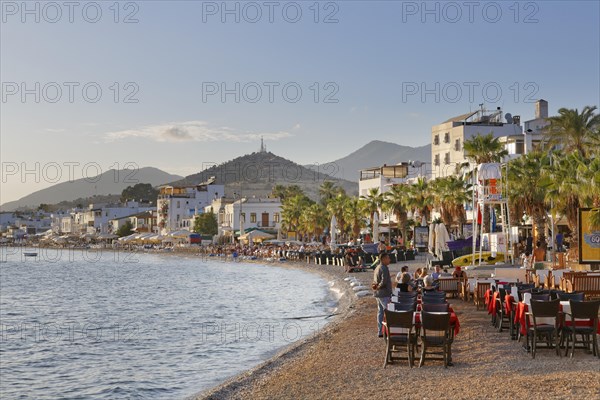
243	217
436	160
447	158
253	217
178	204
457	145
276	217
447	137
436	139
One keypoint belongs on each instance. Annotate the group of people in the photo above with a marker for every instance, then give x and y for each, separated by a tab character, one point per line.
421	280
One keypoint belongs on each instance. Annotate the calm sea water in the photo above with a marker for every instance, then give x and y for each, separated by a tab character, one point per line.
83	324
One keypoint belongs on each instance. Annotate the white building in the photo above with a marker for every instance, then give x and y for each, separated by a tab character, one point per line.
178	205
384	177
140	222
447	138
533	129
260	213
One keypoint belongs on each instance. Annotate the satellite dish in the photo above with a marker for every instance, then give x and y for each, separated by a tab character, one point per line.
509	118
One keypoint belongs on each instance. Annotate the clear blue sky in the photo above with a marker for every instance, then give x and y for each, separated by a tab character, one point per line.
372	57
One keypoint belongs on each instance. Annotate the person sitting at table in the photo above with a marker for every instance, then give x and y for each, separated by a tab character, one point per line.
404	283
436	275
418	273
428	284
458	273
403	270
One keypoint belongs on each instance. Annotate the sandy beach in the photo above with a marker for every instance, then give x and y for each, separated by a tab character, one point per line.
345	361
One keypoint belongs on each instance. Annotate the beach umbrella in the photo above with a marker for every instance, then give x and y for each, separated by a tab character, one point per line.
431	242
333	231
441	239
375	227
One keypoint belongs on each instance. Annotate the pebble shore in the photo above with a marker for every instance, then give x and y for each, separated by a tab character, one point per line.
345	361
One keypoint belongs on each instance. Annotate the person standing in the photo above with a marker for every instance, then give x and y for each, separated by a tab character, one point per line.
382	287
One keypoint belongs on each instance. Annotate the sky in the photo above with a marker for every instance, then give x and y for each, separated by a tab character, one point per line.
181	84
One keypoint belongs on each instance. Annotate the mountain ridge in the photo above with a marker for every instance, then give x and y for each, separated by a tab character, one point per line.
376	153
111	182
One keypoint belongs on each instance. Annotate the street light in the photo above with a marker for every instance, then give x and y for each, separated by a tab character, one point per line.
240	216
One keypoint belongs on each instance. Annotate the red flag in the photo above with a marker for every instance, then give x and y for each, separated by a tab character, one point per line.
479	216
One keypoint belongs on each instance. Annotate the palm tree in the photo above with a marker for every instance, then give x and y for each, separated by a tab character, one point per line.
291	212
373	202
354	215
420	197
484	149
449	196
314	219
526	191
395	202
327	191
336	207
574	131
563	188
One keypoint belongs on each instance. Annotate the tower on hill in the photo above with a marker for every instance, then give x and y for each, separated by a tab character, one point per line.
263	147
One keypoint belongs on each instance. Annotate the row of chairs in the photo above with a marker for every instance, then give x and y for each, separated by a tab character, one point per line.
434	330
546	304
559	333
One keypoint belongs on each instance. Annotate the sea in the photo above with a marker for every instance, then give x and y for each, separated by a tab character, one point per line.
104	324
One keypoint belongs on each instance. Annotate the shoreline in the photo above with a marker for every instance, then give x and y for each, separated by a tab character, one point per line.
293	351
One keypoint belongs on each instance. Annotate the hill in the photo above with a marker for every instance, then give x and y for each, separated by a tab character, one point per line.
257	173
377	153
111	182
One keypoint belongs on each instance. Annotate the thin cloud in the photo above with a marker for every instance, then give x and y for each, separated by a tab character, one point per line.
192	131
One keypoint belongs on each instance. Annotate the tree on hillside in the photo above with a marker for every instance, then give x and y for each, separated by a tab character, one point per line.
125	230
206	224
140	191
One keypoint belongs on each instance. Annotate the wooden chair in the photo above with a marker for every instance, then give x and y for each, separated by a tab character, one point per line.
465	292
436	333
450	285
588	284
400	333
479	293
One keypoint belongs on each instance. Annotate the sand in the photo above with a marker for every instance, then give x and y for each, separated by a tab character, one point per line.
345	361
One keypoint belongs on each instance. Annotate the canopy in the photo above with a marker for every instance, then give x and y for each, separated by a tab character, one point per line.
256	235
489	171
